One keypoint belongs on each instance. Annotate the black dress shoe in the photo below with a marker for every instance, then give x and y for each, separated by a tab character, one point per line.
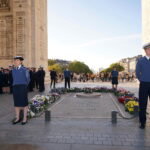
142	126
16	121
23	123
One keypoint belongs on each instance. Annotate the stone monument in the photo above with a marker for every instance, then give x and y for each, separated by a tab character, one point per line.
23	31
145	22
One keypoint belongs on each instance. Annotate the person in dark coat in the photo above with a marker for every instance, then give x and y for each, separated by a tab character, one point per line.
6	82
21	79
41	76
10	79
1	81
67	76
114	75
53	76
143	75
35	78
31	84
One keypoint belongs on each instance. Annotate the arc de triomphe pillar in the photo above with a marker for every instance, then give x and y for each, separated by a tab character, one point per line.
23	31
145	21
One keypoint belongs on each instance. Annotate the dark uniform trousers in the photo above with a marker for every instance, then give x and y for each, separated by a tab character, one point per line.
53	82
41	85
1	91
67	81
1	82
144	93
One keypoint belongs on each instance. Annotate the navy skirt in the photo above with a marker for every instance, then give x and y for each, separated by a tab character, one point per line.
20	95
114	80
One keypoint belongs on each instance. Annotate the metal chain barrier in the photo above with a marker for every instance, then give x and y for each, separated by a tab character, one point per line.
120	113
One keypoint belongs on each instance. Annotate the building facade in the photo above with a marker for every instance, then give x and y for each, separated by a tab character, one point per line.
23	31
130	63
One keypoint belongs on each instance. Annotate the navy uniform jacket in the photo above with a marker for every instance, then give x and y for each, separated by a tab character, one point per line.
143	69
21	76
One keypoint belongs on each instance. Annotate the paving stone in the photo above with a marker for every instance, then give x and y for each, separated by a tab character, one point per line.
116	143
125	143
72	132
98	142
107	142
70	141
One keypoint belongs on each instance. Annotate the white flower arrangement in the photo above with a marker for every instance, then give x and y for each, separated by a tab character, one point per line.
39	103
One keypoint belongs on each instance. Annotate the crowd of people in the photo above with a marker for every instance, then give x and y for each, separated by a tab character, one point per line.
19	80
102	77
36	79
122	76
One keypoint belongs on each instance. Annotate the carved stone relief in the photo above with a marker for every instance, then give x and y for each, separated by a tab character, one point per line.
20	33
4	4
6	37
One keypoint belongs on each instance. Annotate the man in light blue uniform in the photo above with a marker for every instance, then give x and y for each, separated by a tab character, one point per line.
143	75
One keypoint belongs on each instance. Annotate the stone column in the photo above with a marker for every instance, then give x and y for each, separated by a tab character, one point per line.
145	22
23	31
39	29
6	33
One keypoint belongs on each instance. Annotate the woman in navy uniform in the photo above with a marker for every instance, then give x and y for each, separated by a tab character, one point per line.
143	75
21	79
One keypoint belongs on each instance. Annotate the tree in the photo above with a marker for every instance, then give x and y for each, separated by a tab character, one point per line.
117	66
56	67
51	62
79	67
114	65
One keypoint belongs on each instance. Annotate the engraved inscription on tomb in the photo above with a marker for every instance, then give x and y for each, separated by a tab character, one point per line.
6	37
20	33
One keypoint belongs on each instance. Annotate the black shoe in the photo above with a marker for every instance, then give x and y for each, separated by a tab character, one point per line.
142	126
23	123
16	121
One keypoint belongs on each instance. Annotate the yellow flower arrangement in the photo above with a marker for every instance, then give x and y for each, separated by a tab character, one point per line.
130	106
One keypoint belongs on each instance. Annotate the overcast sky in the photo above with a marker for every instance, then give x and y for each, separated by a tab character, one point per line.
96	32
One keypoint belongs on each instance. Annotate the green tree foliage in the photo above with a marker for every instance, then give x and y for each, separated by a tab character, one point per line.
56	67
107	70
75	66
79	67
114	65
51	62
59	67
117	66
